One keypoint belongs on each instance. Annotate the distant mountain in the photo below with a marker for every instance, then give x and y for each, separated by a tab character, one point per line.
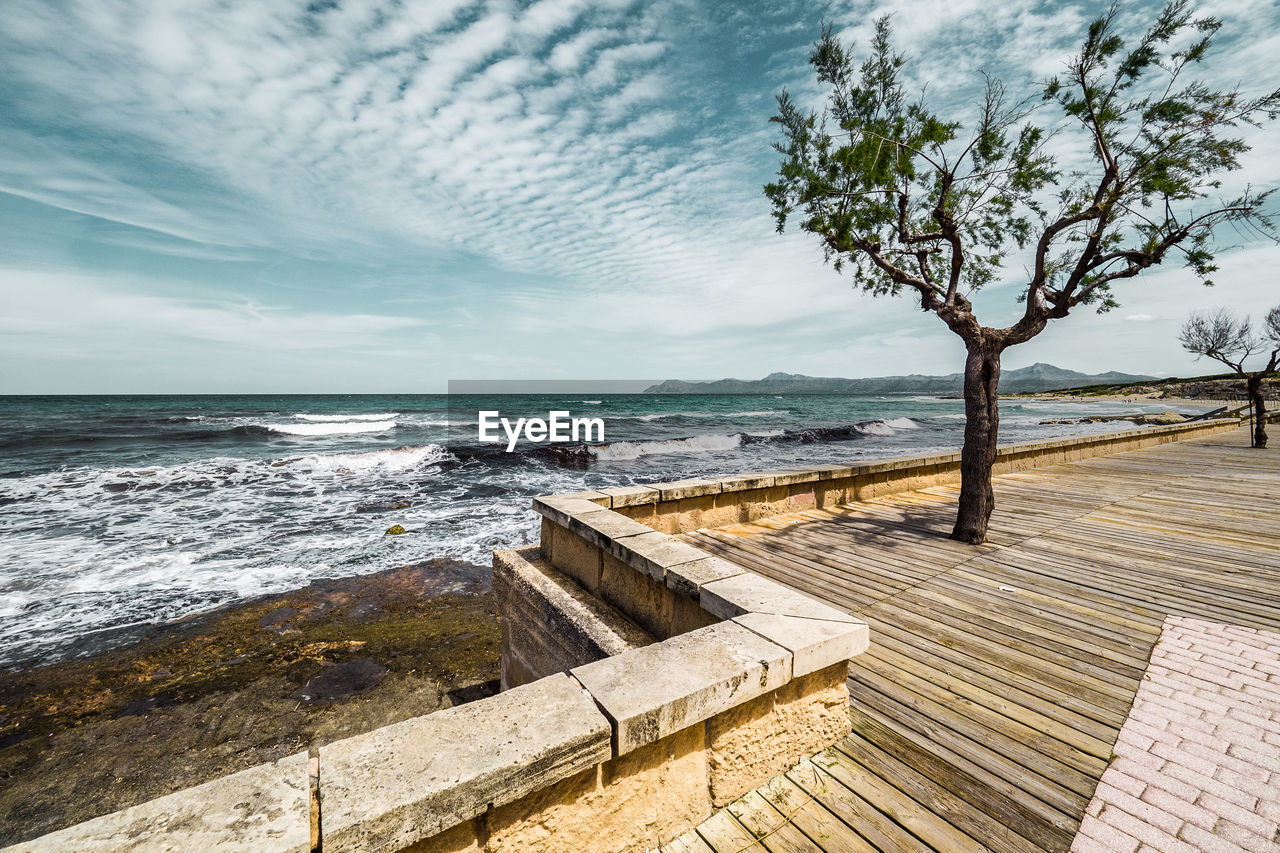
1037	377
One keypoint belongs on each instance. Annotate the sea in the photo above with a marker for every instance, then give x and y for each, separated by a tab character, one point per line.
120	513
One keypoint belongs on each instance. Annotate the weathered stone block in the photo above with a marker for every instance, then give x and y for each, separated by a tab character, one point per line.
633	804
457	839
792	476
681	489
687	579
646	601
831	472
406	782
753	742
727	510
551	624
687	615
560	509
265	808
656	691
645	513
814	643
750	593
576	557
746	482
631	496
653	553
763	503
547	538
688	513
835	492
802	496
592	495
601	528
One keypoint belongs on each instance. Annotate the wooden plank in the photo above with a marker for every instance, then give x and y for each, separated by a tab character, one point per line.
810	817
771	827
724	834
881	831
690	842
1008	810
928	793
987	706
906	812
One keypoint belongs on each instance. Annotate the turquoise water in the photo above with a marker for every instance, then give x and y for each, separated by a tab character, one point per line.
121	512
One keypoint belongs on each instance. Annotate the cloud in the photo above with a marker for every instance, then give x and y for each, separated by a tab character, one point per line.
573	170
71	315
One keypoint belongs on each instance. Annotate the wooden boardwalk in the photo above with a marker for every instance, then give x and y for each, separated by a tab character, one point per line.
999	675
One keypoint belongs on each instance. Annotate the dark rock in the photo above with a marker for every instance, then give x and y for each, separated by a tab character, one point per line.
138	707
277	617
387	506
343	680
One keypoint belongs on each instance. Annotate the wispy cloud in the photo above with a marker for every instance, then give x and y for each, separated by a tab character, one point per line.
561	168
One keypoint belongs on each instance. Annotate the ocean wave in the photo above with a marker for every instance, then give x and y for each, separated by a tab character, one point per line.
901	423
591	402
384	416
220	473
619	450
875	428
344	428
381	461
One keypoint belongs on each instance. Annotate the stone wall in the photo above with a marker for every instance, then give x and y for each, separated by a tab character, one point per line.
549	623
685	505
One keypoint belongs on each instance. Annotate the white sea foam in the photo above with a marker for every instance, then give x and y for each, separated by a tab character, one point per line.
875	428
348	427
382	461
383	416
619	450
591	402
902	423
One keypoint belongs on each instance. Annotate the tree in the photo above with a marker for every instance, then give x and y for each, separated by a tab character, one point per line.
896	195
1232	341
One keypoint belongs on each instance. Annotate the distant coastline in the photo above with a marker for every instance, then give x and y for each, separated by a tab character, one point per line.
1036	378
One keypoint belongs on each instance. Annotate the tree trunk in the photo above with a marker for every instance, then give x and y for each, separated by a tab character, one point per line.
981	433
1254	387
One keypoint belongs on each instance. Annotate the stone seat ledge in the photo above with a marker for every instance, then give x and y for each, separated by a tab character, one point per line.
658	690
400	784
265	808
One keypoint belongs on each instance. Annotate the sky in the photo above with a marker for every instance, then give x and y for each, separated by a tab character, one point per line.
233	196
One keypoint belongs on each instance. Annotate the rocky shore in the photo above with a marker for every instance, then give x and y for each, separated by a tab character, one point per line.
239	686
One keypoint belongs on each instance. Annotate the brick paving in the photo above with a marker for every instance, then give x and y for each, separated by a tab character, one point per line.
1197	764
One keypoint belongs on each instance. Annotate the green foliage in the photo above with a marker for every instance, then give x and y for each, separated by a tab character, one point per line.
905	198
